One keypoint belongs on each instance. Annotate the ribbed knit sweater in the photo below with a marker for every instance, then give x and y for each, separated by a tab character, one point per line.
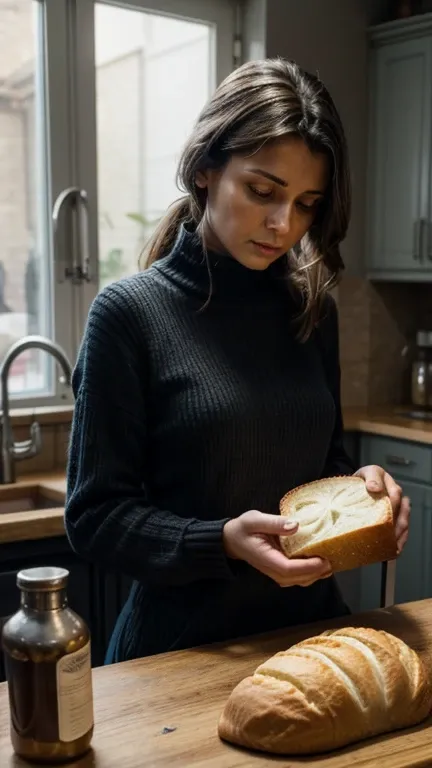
186	418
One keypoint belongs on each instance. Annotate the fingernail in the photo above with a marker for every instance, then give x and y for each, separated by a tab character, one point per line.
289	526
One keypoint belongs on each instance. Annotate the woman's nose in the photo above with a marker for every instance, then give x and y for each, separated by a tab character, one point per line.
280	219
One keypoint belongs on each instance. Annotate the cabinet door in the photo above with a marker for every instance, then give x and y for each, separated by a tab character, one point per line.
80	590
400	157
413	566
9	604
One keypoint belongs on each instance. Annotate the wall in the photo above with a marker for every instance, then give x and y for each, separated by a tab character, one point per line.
329	39
377	322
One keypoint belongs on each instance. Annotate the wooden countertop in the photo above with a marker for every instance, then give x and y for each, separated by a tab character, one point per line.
386	422
186	691
34	523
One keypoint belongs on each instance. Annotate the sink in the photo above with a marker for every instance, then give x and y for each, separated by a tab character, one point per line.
25	498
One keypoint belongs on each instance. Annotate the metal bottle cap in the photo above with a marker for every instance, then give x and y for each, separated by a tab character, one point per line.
42	579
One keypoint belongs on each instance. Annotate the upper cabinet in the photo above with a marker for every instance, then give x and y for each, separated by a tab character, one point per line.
400	152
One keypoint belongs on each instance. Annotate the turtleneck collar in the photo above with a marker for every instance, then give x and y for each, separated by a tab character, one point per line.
187	266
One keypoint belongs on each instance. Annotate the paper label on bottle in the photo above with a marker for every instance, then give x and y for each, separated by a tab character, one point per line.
75	694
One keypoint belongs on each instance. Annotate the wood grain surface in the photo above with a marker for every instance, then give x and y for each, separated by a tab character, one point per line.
162	711
387	423
36	523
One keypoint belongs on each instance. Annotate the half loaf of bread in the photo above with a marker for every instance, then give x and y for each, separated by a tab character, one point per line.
327	692
341	521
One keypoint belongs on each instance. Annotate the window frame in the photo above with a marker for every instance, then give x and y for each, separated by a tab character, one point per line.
67	31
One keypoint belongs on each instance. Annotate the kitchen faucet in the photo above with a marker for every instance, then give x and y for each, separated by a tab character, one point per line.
10	450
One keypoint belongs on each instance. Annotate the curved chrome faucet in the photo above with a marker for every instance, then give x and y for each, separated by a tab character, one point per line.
10	450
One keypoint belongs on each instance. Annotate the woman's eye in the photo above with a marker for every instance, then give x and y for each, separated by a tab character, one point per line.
263	193
310	207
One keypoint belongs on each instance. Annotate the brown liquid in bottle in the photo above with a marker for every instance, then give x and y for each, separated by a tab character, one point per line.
47	660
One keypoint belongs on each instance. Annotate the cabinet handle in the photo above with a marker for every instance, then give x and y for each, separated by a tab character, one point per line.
399	461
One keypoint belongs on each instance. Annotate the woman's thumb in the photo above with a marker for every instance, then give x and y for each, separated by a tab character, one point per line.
274	525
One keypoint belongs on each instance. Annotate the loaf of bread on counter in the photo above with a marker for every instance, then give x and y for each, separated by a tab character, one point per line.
327	692
341	521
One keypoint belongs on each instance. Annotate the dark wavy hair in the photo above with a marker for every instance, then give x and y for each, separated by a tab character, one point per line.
263	101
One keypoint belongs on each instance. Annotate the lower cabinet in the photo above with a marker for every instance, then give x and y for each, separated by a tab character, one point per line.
93	593
410	464
413	566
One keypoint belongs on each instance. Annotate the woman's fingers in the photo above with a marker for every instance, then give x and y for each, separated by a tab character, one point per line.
254	537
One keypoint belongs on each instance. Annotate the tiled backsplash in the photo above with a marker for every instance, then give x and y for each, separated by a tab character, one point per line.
378	323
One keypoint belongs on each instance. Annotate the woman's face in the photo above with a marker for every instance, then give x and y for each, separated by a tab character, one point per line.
259	206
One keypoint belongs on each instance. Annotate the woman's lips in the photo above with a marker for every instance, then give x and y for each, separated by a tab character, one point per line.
266	249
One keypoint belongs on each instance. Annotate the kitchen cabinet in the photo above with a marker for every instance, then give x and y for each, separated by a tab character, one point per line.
411	466
56	552
94	593
413	566
399	243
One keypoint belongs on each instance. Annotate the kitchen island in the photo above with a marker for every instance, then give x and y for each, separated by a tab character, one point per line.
162	711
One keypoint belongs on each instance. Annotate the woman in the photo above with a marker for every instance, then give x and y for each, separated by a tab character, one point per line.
207	385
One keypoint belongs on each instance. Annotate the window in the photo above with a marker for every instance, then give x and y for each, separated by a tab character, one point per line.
96	100
25	285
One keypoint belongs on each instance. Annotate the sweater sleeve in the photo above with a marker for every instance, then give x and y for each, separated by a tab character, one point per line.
338	461
109	517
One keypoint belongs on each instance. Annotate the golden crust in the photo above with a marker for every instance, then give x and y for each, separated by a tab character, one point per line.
327	692
362	545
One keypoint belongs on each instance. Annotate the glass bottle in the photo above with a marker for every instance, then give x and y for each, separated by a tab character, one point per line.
48	669
421	377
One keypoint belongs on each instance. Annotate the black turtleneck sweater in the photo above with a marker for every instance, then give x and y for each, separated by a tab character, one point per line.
186	418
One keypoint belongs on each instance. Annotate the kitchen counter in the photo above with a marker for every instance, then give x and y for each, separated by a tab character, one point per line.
186	691
35	523
386	422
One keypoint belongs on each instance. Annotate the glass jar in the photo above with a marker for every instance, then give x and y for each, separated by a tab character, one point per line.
48	669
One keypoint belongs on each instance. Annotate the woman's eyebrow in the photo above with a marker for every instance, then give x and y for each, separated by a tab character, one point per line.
282	182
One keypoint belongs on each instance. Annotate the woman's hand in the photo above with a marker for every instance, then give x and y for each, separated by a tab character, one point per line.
253	537
377	480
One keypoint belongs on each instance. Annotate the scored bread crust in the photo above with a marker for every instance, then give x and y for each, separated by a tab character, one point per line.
363	545
327	692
